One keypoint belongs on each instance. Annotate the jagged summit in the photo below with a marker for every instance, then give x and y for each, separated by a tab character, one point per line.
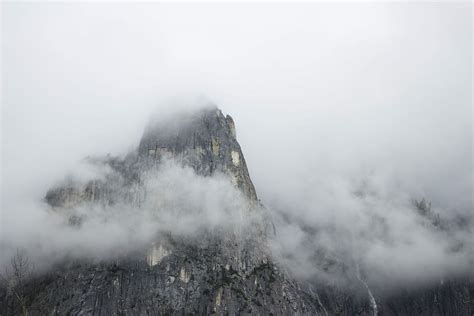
205	139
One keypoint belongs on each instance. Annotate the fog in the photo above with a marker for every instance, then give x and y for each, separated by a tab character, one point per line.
178	202
329	100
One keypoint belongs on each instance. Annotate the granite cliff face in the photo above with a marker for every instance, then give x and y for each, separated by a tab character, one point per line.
206	141
216	271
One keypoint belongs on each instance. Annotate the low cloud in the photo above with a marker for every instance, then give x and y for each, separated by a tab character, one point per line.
335	227
171	199
338	224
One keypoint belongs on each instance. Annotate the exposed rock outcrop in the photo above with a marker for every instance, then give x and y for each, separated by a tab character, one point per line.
205	140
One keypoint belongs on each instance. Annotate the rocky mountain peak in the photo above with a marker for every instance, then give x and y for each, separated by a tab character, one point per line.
204	139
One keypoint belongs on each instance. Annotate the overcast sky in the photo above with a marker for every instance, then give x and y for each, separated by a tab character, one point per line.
316	90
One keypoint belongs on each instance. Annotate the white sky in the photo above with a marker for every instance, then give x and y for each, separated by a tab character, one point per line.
317	90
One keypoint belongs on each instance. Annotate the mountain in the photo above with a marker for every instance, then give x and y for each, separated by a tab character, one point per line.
220	269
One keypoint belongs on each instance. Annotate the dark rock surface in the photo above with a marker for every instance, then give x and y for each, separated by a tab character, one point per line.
190	281
205	140
224	273
451	297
